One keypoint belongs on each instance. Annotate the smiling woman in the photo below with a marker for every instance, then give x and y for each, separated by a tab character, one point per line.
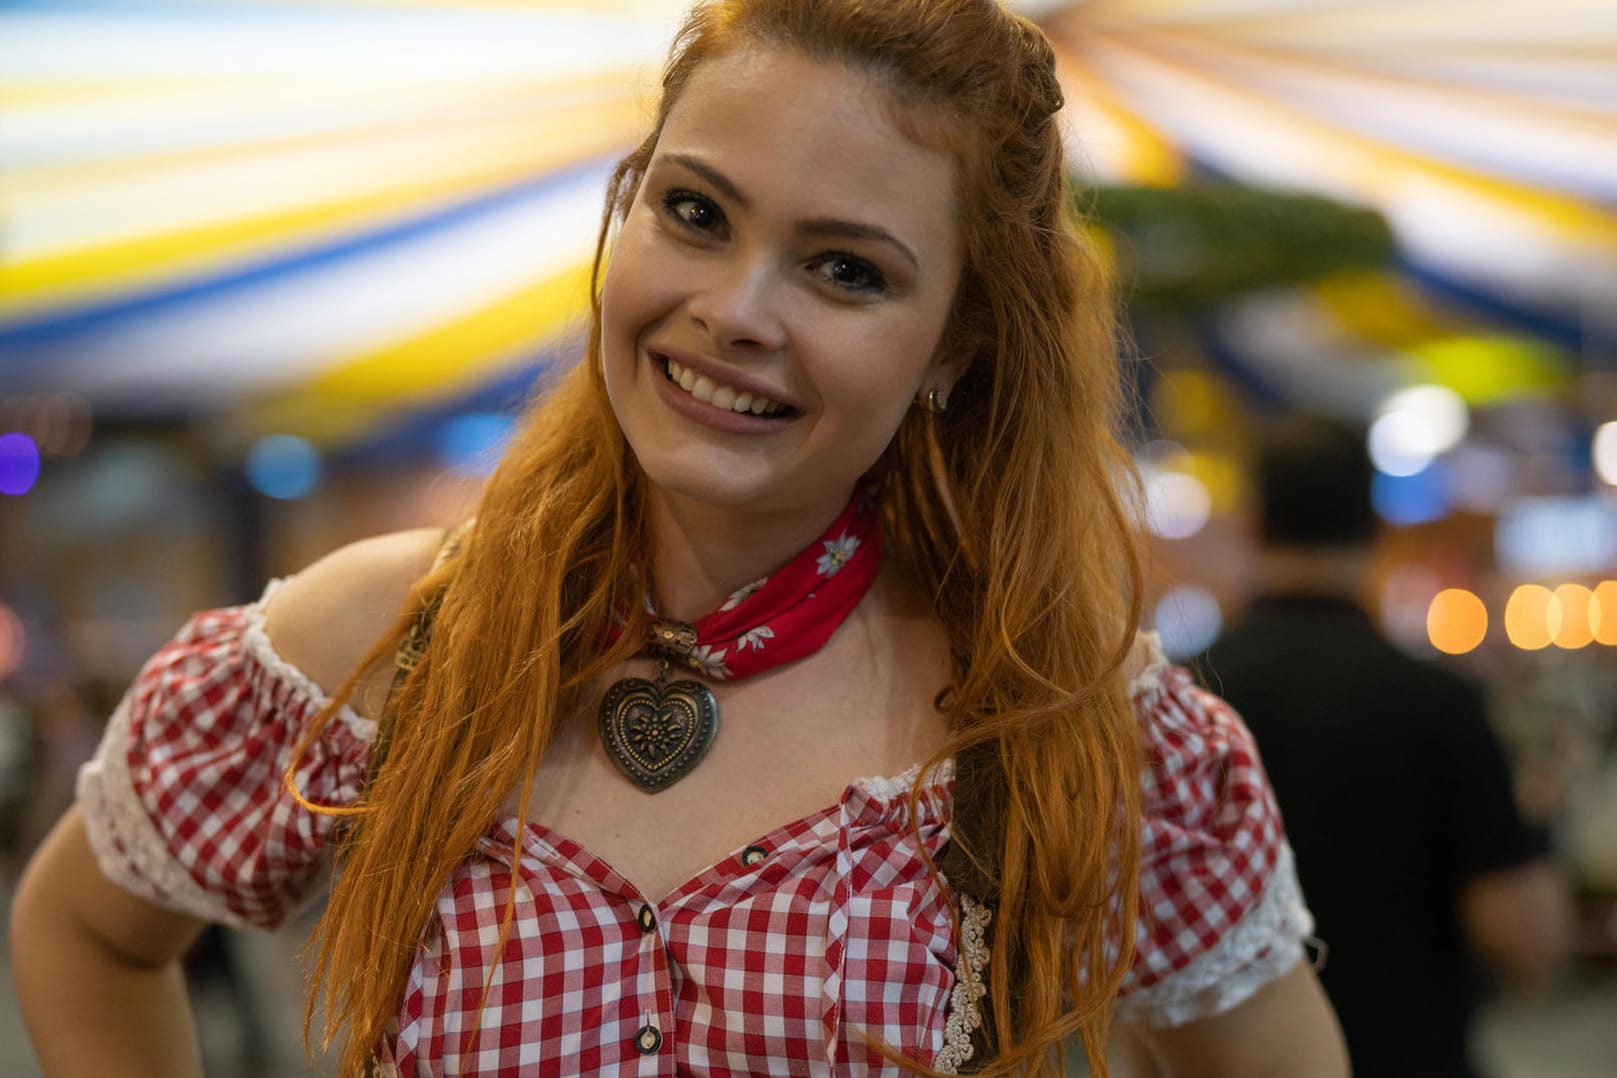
841	456
788	243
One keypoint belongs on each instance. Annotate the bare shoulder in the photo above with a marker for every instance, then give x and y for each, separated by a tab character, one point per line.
324	619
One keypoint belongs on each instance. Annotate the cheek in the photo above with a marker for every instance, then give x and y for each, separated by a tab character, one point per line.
629	292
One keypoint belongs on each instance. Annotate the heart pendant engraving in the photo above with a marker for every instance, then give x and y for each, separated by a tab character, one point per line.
657	733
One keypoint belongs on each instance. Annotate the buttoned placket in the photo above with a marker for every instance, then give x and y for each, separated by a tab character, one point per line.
654	1038
650	1038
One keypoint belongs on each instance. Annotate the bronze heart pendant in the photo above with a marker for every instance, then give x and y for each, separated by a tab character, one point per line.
657	733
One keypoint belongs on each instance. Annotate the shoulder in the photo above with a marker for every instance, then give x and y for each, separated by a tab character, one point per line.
1220	910
326	618
1202	766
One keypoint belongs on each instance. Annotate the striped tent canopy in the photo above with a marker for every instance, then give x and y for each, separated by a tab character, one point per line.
326	217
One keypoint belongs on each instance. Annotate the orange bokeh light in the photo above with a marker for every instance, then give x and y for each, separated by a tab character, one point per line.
1578	613
1456	621
1532	617
1603	612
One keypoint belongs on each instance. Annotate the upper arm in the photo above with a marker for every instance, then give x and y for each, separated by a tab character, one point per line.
1519	920
1286	1029
64	885
1512	901
183	807
326	618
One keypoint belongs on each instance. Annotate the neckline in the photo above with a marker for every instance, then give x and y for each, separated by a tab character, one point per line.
892	792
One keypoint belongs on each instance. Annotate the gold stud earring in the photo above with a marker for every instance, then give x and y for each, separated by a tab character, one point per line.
937	401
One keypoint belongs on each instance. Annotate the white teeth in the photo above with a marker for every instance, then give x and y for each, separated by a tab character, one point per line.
730	399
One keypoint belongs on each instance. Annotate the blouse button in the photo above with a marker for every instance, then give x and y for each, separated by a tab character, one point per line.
648	1040
648	920
752	855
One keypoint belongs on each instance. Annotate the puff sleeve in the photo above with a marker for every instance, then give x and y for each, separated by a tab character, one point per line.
1221	912
184	802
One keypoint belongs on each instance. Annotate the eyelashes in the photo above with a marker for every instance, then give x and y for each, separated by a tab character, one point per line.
697	214
691	210
848	272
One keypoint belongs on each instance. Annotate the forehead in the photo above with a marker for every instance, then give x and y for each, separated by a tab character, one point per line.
819	136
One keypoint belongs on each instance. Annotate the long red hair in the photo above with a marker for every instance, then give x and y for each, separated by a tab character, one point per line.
1011	510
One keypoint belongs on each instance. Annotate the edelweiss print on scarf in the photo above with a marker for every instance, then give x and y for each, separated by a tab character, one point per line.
837	553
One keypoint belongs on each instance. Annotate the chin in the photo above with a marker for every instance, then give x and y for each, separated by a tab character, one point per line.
733	489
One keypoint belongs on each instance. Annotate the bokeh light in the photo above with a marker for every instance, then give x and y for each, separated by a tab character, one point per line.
471	444
283	466
1414	426
1188	619
1411	499
1604	452
1577	616
1532	617
1441	411
19	464
1456	621
1186	402
1177	504
1562	537
1603	612
1399	444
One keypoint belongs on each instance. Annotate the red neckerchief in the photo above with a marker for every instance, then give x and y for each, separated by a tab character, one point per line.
787	615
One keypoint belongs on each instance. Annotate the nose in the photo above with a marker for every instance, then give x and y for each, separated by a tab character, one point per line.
737	303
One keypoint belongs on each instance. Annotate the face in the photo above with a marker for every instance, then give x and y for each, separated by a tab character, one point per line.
777	294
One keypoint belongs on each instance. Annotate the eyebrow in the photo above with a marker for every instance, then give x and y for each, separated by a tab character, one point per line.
818	226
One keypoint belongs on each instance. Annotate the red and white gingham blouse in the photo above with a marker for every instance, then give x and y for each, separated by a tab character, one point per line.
781	958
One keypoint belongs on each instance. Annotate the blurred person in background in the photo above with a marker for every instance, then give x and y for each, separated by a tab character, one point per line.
842	457
1394	789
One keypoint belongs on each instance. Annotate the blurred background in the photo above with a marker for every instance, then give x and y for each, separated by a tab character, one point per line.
276	274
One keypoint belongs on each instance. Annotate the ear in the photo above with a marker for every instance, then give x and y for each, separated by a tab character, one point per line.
944	372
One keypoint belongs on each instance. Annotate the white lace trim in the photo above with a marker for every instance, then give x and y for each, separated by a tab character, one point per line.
257	644
892	787
128	847
1148	682
965	1015
1264	944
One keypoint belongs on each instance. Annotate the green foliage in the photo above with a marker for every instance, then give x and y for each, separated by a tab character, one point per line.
1187	247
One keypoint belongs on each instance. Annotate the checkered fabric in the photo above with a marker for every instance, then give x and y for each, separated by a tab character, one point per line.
1212	833
781	958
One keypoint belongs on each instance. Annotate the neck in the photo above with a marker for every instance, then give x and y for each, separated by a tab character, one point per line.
1331	572
704	553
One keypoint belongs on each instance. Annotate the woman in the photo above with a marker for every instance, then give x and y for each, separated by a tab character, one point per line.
833	495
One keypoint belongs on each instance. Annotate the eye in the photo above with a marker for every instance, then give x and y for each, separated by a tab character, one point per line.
850	274
692	211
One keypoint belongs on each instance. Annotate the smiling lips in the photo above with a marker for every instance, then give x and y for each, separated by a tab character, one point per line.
722	396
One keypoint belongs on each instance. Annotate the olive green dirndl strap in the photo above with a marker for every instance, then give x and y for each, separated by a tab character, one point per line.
405	660
414	645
